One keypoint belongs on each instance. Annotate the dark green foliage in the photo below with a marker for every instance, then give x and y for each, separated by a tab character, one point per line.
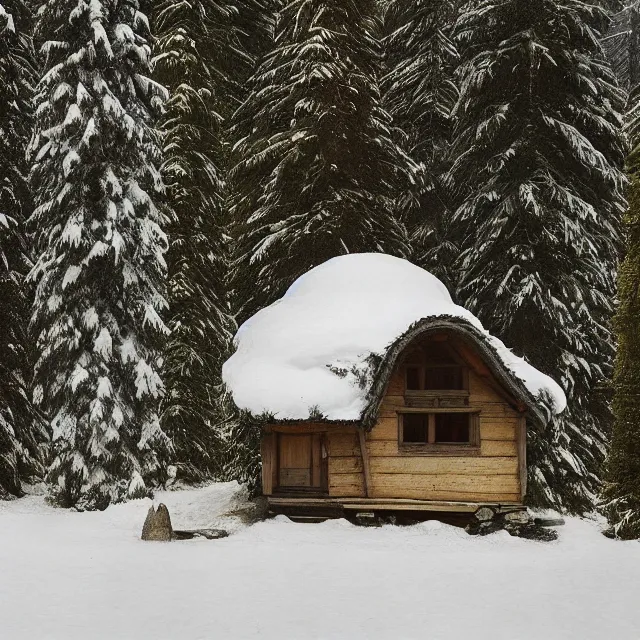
316	165
192	51
538	151
621	498
100	271
420	93
216	44
611	6
22	430
243	462
253	25
622	44
194	47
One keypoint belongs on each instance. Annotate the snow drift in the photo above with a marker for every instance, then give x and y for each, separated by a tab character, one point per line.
87	576
309	352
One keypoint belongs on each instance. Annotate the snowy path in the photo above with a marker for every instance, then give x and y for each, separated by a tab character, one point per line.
87	576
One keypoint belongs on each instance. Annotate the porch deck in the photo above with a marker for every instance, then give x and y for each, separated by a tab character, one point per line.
330	505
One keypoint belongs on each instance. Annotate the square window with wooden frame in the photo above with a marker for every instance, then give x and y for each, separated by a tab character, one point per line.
435	367
438	430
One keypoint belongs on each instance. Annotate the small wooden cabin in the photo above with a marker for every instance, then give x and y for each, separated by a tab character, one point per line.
445	430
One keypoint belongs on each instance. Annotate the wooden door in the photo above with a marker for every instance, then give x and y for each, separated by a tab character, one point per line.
301	462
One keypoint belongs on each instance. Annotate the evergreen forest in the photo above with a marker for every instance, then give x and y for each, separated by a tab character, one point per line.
169	168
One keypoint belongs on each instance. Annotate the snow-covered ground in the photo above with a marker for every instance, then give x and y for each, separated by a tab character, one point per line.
67	575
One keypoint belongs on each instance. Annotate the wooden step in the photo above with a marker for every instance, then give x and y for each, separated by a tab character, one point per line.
309	519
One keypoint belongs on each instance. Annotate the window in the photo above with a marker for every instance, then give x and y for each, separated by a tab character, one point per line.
414	378
434	367
415	428
452	428
438	430
443	378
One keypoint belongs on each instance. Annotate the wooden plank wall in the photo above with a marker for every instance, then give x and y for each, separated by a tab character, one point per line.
494	475
346	473
268	451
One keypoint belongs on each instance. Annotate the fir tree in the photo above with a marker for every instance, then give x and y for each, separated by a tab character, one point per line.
100	273
538	149
420	93
192	53
622	45
621	496
242	460
253	25
317	164
22	430
611	6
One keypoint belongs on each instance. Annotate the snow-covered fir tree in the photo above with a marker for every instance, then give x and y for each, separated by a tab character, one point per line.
317	166
612	7
253	26
23	435
101	270
225	36
621	495
420	93
191	57
622	44
538	148
242	460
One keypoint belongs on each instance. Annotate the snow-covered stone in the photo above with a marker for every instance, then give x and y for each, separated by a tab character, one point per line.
309	351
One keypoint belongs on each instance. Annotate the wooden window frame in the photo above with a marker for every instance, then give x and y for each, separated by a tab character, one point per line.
471	448
422	374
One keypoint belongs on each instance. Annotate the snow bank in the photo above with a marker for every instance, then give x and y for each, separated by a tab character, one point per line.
79	576
333	318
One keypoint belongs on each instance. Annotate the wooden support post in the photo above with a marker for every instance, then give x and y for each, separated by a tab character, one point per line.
365	463
268	452
522	454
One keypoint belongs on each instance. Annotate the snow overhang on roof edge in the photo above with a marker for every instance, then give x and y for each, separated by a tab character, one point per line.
540	410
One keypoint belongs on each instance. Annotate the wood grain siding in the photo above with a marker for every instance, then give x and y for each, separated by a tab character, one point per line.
366	466
500	488
343	445
490	472
491	429
269	463
351	464
493	474
346	473
522	455
498	448
445	465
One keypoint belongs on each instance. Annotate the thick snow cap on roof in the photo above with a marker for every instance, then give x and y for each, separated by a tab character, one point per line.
309	352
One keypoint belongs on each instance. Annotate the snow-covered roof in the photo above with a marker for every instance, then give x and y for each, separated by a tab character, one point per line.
323	348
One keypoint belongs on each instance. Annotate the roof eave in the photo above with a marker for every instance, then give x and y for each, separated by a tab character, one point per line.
467	332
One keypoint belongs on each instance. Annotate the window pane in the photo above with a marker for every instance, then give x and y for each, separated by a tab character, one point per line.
415	427
443	378
413	378
452	427
438	353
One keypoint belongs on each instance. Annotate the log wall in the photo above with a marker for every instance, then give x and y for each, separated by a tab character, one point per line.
488	475
491	473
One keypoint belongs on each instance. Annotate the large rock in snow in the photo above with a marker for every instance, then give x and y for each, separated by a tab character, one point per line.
157	525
